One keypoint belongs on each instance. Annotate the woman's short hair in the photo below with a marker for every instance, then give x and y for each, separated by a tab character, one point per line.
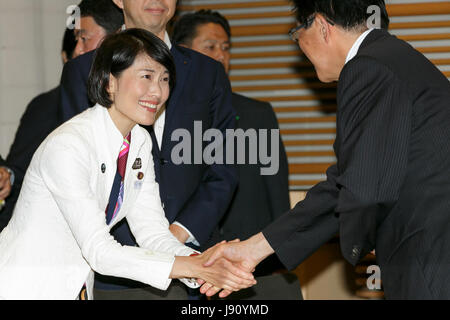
117	53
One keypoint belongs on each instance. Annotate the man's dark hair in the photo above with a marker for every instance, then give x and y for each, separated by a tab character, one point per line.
185	29
105	13
117	53
69	43
349	14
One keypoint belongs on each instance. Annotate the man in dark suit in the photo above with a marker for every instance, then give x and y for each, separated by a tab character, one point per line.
38	120
259	199
390	188
195	196
6	181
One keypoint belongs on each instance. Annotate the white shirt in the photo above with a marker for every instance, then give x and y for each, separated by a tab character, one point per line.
354	49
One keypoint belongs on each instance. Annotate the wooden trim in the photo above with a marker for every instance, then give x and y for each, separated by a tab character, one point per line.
311	154
236	5
416	37
318	96
295	168
307	131
299	64
309	142
267	54
303	182
324	108
276	29
309	74
415	9
315	85
407	9
303	120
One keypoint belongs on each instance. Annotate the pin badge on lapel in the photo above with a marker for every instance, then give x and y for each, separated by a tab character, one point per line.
140	175
137	164
103	168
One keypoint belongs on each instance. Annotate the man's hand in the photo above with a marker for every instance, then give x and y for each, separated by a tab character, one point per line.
247	255
5	183
222	274
179	233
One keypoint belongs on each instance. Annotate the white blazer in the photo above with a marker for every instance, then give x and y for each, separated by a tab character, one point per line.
58	232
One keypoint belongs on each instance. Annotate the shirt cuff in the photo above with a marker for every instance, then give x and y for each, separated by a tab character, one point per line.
191	236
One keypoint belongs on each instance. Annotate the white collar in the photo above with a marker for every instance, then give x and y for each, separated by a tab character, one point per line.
166	37
354	50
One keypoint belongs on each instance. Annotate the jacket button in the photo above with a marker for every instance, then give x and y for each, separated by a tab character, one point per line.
356	251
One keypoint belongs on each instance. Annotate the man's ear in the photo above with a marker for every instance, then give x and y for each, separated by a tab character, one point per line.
118	3
324	27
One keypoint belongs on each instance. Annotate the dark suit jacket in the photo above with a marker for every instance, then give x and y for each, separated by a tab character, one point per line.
38	120
390	187
194	195
258	199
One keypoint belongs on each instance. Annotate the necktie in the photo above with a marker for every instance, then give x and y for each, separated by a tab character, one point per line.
116	195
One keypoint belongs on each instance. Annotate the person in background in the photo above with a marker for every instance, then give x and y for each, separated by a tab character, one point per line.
202	192
389	189
6	182
98	19
38	120
59	232
259	199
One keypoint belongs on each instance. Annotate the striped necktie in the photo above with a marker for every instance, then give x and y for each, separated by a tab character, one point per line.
116	195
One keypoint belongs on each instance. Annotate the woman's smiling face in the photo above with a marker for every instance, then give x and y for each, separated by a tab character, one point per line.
138	93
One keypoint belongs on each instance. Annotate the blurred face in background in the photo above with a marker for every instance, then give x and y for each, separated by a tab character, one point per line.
212	40
88	37
151	15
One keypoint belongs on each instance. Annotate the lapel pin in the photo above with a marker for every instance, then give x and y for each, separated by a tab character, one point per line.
140	175
103	168
137	164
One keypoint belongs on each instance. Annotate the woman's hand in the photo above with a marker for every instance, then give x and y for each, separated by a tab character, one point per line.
223	274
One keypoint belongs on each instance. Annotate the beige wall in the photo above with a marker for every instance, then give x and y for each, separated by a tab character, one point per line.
31	34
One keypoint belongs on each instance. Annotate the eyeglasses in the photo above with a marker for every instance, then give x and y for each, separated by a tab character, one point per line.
293	33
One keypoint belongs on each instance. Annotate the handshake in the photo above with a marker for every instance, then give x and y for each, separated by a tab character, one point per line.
228	266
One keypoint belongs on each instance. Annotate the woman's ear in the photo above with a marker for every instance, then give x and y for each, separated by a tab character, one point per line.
112	86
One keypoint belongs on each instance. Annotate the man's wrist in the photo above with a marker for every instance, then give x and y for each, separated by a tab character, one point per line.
260	247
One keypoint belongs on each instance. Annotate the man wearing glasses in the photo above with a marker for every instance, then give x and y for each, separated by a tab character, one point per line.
390	187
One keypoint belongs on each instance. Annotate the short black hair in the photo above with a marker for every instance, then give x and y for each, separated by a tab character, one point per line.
105	13
185	28
349	14
117	53
69	43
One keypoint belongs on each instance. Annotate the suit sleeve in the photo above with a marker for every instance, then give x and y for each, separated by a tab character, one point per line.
208	204
73	97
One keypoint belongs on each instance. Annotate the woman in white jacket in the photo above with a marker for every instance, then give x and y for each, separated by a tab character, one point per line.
59	233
